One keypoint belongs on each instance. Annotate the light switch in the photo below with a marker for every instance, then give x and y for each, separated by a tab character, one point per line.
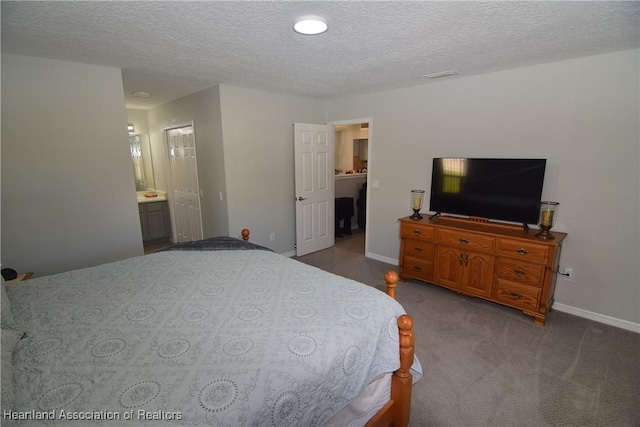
375	183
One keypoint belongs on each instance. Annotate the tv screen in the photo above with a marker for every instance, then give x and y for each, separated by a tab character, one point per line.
501	189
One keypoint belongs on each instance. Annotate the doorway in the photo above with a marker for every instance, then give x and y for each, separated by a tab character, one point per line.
352	171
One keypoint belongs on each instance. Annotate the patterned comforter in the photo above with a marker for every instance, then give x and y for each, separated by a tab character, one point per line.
218	338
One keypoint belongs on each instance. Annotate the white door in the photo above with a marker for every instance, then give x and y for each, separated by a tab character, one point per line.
185	192
315	202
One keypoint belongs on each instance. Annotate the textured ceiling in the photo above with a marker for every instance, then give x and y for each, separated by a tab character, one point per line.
173	49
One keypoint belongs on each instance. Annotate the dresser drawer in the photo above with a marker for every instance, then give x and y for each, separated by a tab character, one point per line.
418	249
465	240
523	250
516	295
516	271
418	268
416	231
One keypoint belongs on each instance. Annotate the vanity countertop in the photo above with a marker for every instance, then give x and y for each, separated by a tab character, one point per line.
350	175
161	196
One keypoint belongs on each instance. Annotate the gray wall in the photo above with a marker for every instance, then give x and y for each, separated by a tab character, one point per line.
203	108
257	131
582	115
68	193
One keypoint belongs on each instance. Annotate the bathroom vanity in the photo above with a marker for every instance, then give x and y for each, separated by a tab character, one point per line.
154	217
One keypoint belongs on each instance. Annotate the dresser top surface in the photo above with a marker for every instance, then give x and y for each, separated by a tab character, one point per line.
494	228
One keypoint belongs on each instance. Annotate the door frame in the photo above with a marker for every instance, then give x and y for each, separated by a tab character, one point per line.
165	129
369	121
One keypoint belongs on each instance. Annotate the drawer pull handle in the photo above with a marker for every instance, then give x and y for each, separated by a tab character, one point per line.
516	295
416	268
463	240
461	259
418	249
417	232
522	251
520	272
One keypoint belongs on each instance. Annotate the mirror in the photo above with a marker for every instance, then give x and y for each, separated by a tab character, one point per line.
142	162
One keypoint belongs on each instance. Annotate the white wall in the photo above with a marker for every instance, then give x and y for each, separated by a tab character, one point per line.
203	108
68	193
582	115
257	131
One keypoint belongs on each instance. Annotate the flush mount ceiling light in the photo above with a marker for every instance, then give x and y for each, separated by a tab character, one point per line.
310	25
441	74
141	94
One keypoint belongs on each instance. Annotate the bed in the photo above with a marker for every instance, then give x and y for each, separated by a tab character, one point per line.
218	332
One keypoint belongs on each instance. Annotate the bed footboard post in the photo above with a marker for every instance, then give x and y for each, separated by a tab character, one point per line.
402	380
391	278
245	234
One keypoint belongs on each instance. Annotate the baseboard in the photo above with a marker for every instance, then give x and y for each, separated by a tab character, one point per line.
597	317
607	320
289	254
381	258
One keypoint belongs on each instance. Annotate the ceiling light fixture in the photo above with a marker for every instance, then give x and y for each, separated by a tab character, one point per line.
310	25
141	94
441	74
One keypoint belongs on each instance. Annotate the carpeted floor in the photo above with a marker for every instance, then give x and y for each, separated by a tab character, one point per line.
488	365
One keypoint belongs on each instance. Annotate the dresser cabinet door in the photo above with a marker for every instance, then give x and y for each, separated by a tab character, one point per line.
448	267
471	272
478	274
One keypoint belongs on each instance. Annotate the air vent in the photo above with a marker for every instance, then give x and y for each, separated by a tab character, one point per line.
441	74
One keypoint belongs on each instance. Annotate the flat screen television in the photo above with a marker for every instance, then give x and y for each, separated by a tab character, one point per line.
499	189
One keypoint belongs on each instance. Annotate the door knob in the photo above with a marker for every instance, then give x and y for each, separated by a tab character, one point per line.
301	198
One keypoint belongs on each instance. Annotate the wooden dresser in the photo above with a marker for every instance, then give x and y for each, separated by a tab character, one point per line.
497	262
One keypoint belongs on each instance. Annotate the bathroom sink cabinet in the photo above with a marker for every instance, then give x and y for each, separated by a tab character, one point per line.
154	221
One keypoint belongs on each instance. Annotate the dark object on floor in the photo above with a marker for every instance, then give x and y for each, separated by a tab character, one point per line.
344	211
9	274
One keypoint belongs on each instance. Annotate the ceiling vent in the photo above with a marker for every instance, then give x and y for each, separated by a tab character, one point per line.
441	74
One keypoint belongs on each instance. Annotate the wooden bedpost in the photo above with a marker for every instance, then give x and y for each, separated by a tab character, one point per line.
397	411
402	381
245	234
391	278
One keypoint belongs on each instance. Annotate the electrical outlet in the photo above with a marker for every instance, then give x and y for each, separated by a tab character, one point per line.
568	273
273	236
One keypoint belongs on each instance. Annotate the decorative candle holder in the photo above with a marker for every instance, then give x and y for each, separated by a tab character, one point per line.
416	204
548	213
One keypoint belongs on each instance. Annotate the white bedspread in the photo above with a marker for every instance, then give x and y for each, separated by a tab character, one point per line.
224	338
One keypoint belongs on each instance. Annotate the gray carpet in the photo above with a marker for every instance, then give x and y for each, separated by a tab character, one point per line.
488	365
